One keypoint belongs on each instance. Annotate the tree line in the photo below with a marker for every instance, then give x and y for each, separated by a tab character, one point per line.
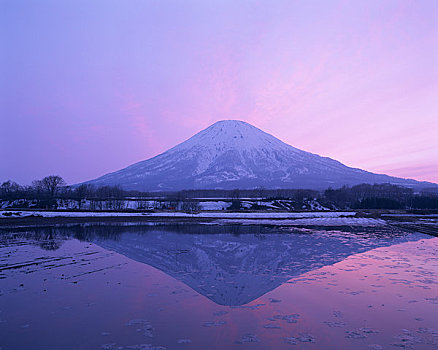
381	196
51	188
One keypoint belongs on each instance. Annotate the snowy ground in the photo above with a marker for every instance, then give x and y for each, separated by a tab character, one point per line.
410	215
264	215
160	204
260	218
214	205
314	221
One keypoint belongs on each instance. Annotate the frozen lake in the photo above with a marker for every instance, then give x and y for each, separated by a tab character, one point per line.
195	286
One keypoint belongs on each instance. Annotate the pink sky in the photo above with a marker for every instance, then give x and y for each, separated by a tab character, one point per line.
91	87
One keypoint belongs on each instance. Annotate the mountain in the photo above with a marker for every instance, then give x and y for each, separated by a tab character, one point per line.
234	154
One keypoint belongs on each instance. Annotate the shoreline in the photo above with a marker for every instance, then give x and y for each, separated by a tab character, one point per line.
305	219
33	221
50	218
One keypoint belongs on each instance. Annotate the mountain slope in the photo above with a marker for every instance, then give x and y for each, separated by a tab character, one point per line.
234	154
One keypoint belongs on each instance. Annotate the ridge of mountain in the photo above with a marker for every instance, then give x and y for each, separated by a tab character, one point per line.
234	154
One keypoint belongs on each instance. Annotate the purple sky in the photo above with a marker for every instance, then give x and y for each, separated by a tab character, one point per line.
88	87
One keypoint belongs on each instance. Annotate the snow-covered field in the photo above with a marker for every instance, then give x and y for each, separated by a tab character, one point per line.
214	205
264	215
150	204
410	215
226	215
314	221
265	218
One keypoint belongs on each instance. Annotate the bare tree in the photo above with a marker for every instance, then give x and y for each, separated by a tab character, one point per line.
37	186
82	192
9	189
51	184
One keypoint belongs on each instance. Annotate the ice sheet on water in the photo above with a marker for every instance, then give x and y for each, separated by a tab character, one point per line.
293	318
142	326
332	324
220	313
251	307
271	326
338	314
114	346
431	331
407	339
304	221
273	300
214	323
300	338
291	340
368	330
355	335
248	338
145	347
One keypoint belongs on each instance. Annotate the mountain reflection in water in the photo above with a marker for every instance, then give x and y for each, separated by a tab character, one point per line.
231	265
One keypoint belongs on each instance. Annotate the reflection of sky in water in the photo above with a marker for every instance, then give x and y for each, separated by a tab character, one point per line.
121	286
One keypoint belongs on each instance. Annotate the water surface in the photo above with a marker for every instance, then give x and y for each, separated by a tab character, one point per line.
217	287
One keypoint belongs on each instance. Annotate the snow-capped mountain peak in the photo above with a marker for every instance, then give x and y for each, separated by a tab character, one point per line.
234	154
232	134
